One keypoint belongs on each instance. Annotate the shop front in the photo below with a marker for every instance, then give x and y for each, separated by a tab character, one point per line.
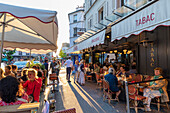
87	47
146	33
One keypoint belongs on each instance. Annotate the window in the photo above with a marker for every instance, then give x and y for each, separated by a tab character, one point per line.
20	53
75	32
119	3
75	18
90	23
101	14
27	53
90	2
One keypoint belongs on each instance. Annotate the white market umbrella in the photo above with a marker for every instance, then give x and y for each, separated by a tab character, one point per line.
28	29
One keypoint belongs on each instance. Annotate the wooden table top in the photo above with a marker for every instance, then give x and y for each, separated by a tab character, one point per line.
19	108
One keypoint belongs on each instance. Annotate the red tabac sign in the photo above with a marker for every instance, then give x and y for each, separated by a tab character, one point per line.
145	19
95	40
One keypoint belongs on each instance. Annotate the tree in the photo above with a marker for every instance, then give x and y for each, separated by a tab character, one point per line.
62	54
8	54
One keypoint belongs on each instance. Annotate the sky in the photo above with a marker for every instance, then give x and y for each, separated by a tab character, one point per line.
63	7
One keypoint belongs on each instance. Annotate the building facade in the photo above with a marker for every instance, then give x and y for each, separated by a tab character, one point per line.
65	46
76	24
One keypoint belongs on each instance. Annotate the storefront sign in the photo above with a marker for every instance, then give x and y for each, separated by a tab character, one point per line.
148	19
96	39
152	60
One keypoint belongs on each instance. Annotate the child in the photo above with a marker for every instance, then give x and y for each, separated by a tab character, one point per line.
33	85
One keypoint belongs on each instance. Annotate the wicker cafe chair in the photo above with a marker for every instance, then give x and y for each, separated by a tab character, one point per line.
89	77
134	97
158	99
53	77
72	110
138	78
107	92
99	81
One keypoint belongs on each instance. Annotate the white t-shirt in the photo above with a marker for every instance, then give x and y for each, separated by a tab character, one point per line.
68	63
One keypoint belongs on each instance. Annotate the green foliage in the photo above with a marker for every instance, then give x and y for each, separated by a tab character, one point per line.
9	54
31	64
62	54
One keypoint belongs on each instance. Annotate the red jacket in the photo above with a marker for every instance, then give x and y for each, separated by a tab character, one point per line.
30	87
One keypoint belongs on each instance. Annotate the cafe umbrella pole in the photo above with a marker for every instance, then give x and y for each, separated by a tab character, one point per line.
2	38
127	97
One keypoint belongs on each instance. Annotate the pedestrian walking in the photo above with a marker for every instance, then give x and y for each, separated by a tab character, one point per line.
76	70
57	67
81	79
68	65
46	66
52	65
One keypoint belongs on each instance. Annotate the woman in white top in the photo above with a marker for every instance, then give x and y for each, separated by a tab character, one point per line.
81	79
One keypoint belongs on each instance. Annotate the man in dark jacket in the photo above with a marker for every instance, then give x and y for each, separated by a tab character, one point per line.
113	82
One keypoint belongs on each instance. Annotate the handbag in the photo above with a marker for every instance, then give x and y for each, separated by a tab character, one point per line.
31	96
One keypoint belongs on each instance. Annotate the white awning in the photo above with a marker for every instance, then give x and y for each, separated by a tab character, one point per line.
147	19
94	40
28	29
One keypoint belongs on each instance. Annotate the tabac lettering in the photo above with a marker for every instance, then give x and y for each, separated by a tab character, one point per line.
145	19
95	40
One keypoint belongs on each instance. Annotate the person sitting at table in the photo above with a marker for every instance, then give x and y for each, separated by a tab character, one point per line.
123	73
133	69
113	82
9	87
33	85
21	94
14	69
88	69
155	89
96	71
8	71
91	66
24	76
2	74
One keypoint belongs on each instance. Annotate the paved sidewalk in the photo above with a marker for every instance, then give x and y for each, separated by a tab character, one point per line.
86	99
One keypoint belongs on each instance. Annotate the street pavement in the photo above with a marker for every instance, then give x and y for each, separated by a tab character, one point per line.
86	99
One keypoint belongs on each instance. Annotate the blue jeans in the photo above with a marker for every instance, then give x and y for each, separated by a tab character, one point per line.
68	70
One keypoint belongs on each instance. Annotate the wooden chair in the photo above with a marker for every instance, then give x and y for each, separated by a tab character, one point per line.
107	92
138	78
133	77
89	77
99	81
53	77
133	96
72	110
158	99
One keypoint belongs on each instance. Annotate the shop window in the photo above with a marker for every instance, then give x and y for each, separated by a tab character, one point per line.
101	14
75	18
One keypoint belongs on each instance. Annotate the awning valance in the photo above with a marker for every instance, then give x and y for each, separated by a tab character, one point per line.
96	39
147	19
28	28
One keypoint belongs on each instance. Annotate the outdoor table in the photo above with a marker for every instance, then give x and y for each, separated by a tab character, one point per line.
22	108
